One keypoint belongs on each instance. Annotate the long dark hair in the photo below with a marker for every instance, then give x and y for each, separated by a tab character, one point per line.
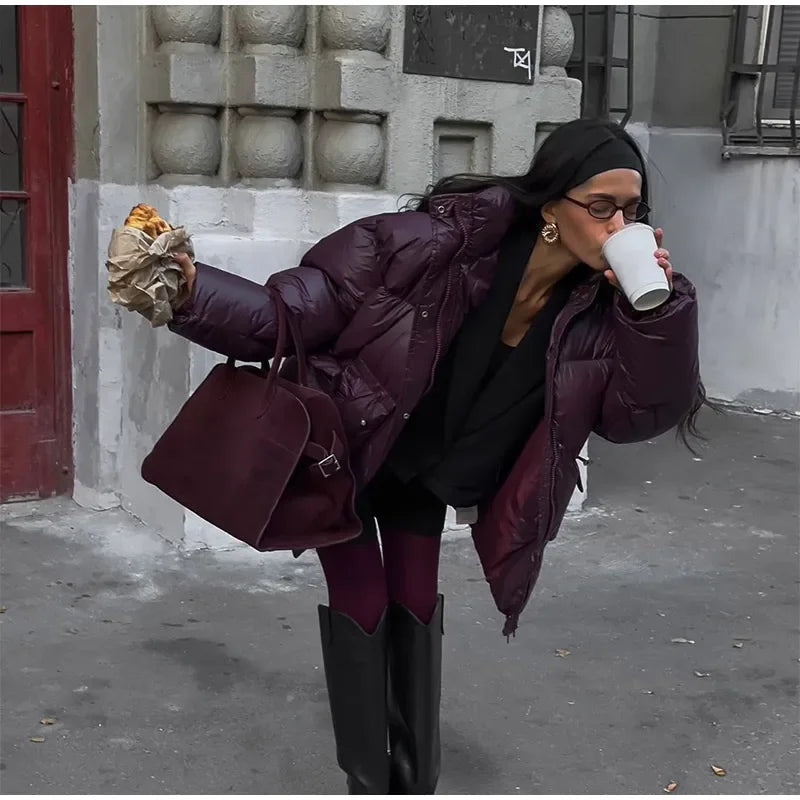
553	167
549	178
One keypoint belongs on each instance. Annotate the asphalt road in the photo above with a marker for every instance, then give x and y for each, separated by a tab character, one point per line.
200	673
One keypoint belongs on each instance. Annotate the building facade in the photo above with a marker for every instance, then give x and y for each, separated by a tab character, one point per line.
263	128
711	93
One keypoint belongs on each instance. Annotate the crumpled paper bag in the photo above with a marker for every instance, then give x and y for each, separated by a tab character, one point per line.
142	275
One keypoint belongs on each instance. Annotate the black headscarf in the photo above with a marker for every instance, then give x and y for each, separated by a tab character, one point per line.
614	154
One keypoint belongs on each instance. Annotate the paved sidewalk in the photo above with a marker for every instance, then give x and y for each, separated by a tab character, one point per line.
200	673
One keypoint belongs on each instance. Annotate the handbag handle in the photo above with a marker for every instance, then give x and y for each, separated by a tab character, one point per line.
297	340
284	320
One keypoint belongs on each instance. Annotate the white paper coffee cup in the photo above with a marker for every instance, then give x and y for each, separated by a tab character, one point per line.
630	252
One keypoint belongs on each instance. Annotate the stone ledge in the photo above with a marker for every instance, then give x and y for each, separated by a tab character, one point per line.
356	81
278	79
184	78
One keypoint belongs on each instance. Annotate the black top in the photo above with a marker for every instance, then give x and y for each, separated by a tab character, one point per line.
499	357
487	397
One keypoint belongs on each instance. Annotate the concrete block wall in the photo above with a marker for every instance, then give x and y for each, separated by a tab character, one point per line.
262	129
270	96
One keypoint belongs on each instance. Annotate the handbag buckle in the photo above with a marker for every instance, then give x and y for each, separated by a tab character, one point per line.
329	466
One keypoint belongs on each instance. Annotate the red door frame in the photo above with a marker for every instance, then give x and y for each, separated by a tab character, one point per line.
46	56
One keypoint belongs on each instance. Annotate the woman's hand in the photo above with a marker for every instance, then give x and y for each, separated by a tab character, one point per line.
663	262
188	267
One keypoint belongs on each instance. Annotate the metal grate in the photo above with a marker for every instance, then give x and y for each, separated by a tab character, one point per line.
762	84
602	59
788	53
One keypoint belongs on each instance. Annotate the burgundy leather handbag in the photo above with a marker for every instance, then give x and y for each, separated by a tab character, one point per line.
260	456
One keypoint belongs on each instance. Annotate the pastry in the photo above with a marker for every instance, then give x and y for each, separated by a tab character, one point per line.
147	219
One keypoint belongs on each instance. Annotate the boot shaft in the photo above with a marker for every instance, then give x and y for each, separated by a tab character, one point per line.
355	672
415	681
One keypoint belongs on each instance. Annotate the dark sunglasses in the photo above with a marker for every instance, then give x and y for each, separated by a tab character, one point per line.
605	209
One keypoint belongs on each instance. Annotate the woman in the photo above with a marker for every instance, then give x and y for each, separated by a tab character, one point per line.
471	345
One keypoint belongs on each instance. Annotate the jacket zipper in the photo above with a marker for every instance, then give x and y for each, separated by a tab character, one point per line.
552	359
437	333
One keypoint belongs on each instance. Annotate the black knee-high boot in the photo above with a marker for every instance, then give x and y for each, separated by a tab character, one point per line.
415	689
355	671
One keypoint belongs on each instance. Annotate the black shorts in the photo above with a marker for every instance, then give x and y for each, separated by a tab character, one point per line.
410	507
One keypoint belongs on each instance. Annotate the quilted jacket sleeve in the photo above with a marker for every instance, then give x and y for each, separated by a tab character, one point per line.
655	373
236	317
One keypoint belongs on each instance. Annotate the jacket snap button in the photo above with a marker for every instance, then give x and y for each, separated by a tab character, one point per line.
363	423
440	209
424	314
406	415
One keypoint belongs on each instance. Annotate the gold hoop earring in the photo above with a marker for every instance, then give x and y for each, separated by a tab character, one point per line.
550	233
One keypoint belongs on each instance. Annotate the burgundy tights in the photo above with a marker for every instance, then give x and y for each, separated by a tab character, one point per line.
361	584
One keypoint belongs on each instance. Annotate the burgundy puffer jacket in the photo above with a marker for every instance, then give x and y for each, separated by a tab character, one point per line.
379	301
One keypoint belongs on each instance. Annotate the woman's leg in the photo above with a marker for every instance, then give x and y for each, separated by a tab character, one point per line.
356	580
410	519
411	562
411	537
354	646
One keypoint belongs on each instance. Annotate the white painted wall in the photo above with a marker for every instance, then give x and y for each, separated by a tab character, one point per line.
131	379
734	228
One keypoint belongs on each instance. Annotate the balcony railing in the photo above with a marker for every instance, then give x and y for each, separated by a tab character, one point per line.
761	96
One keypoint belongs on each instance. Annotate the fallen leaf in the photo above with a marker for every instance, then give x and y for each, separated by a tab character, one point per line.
37	739
738	645
681	640
48	721
671	787
719	771
562	653
702	674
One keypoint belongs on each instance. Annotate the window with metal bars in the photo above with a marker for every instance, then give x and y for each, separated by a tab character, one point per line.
602	59
14	197
761	101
